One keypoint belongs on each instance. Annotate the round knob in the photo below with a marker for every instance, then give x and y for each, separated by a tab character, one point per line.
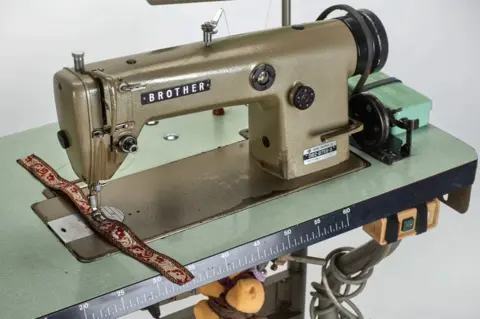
128	144
63	139
263	77
302	96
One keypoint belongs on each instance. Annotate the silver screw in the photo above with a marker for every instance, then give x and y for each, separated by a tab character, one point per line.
171	137
152	123
263	78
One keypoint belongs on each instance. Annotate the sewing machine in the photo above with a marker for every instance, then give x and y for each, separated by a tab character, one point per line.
140	136
295	88
299	128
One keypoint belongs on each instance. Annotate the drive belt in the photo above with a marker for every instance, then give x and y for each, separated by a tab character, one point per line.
115	232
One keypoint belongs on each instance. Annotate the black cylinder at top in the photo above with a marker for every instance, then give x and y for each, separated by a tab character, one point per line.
379	37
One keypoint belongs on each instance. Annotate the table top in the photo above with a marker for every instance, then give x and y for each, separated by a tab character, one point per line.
39	276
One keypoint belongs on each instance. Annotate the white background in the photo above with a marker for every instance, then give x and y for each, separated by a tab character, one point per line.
435	49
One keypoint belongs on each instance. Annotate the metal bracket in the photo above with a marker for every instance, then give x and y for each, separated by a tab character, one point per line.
209	28
351	128
154	310
244	133
459	200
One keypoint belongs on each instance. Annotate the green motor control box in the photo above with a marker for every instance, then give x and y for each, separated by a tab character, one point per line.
413	104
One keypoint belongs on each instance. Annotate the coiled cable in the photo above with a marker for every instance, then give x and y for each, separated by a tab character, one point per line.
329	290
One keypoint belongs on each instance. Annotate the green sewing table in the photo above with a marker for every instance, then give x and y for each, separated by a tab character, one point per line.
40	277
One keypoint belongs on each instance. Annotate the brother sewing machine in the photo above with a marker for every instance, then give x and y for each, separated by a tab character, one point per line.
315	141
294	81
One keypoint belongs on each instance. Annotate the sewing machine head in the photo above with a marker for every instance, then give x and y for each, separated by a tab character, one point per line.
293	79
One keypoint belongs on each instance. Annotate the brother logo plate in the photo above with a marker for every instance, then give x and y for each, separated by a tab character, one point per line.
175	92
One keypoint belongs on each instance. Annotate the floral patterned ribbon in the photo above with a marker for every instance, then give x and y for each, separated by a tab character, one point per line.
113	231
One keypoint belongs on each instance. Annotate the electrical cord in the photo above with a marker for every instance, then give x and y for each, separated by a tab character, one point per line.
330	272
368	37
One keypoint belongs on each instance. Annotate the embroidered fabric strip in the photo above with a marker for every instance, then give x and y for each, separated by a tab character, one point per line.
115	232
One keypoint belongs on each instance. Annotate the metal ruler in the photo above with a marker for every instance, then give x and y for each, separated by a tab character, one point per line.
157	289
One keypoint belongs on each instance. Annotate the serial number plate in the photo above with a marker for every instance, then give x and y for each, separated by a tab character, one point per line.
320	153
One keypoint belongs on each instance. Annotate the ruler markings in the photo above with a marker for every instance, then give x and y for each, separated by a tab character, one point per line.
273	248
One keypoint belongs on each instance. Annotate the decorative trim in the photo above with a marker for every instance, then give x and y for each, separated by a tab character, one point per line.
115	232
